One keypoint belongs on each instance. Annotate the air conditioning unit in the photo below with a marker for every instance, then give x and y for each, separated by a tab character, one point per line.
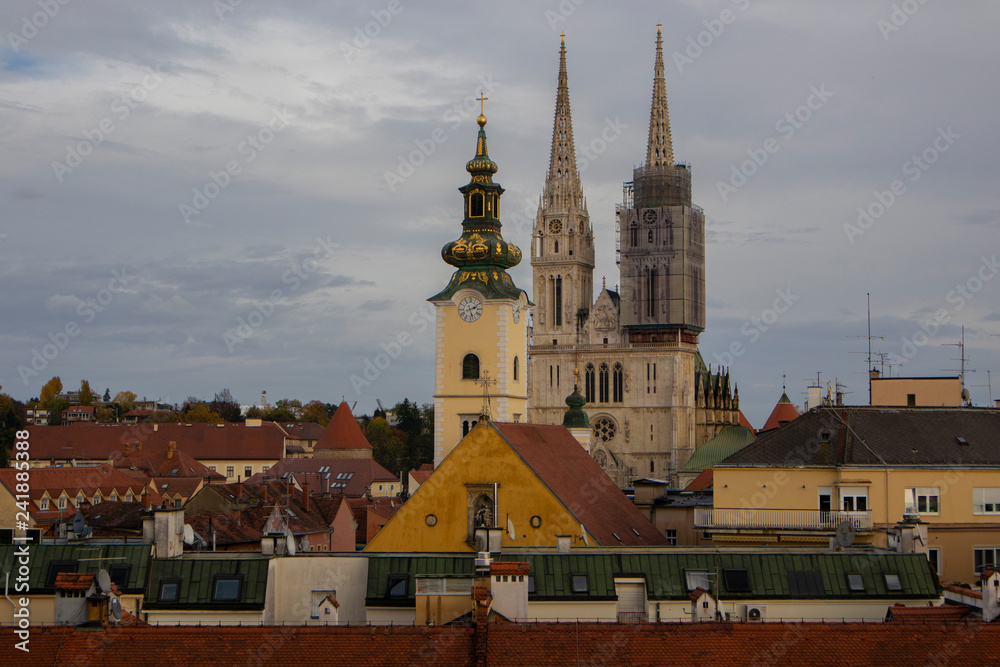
756	613
483	560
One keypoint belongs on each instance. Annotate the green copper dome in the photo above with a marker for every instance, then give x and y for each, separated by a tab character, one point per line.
481	255
575	417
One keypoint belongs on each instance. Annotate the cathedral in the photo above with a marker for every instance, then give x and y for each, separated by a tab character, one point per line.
632	354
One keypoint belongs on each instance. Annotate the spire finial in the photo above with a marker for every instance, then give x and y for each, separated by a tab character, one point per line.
482	114
563	39
660	149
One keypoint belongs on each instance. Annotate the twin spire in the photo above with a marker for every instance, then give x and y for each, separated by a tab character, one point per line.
562	183
660	148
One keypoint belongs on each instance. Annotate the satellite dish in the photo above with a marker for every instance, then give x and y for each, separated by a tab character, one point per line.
845	533
290	545
116	609
583	533
510	530
104	581
79	523
966	395
188	534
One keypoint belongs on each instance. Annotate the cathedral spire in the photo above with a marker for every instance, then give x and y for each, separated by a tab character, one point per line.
660	149
562	183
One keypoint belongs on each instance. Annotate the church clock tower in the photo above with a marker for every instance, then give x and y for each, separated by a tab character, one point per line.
481	317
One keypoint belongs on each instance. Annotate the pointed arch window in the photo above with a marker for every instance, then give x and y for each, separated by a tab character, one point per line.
558	298
517	364
617	384
588	383
476	205
470	367
634	233
603	384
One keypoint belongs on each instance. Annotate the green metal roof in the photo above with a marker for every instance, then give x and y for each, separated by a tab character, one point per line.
727	442
197	582
381	567
86	558
666	574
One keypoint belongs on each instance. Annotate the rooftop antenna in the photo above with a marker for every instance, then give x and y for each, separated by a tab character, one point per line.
961	358
988	385
870	338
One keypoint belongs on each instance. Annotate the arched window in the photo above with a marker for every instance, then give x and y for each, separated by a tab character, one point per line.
588	383
634	233
603	385
617	384
516	368
465	428
470	367
476	205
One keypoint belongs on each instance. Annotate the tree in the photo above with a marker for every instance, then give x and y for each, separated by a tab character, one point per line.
388	444
11	419
226	406
125	400
107	395
200	414
55	408
255	413
86	395
104	414
285	410
50	390
315	411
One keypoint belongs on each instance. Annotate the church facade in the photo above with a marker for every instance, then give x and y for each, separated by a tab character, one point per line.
650	398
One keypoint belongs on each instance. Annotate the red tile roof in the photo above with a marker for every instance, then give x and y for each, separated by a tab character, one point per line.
164	463
100	442
744	421
903	614
343	432
581	485
961	590
701	482
957	644
352	476
73	480
508	567
74	581
783	413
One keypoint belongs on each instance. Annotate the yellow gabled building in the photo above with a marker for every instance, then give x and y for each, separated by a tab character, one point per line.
482	317
516	485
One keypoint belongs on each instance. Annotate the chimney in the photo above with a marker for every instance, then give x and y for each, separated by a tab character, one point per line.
138	446
126	449
305	496
264	491
171	448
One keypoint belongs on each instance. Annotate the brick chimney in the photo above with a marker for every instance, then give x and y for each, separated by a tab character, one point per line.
126	449
305	496
171	448
138	446
264	491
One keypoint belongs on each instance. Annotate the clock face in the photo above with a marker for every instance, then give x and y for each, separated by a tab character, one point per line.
470	309
517	314
649	216
555	226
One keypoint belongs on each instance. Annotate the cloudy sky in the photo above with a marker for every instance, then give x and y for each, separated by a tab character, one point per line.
202	194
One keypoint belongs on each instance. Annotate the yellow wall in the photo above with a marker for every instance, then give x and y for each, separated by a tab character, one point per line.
496	339
927	391
482	457
958	530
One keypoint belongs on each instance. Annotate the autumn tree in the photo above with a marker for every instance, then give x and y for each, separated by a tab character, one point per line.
200	413
86	395
125	401
315	411
255	413
226	406
50	390
11	419
285	410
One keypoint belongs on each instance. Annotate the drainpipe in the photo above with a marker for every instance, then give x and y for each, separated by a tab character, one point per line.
6	580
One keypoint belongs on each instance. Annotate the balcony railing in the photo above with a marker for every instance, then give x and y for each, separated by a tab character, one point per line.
775	519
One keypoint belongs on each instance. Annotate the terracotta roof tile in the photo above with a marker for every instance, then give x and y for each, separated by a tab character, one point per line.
508	567
961	590
343	432
784	412
903	614
581	485
74	581
701	482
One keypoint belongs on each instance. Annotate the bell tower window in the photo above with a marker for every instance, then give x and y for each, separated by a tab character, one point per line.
476	205
470	367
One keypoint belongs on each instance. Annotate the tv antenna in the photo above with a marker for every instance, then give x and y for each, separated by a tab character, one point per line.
988	385
961	358
870	338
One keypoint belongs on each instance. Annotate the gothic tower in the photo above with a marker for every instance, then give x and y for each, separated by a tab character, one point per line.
481	318
662	237
562	252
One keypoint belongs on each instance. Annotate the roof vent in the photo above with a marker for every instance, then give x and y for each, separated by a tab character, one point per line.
962	441
824	436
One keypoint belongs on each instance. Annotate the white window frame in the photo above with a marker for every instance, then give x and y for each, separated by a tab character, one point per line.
922	500
853	493
986	500
996	557
43	504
